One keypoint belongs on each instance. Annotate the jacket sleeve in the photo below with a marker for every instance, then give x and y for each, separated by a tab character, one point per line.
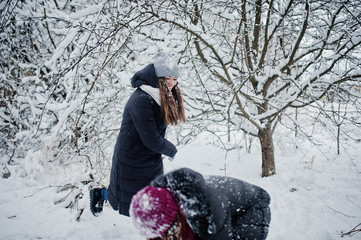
248	205
144	120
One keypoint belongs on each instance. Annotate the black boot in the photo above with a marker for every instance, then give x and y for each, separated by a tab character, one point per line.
96	201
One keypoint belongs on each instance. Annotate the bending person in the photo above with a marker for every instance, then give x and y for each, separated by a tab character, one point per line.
185	205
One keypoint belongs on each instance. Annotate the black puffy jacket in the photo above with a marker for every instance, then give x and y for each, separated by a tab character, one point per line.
217	207
139	146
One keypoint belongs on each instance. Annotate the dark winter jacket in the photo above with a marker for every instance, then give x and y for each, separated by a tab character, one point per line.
217	207
139	146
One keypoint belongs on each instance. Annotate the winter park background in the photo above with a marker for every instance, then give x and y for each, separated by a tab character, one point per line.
272	94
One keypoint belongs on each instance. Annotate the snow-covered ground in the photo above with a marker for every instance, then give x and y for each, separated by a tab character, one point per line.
315	195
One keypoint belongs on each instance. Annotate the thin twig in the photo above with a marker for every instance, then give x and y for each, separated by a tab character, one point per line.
352	231
339	212
32	195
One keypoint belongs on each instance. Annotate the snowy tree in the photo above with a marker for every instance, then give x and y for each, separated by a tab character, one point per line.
64	86
63	79
23	76
254	60
66	67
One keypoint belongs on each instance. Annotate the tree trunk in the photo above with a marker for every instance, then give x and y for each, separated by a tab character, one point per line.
268	159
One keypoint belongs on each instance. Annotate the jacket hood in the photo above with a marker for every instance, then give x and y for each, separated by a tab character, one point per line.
203	210
146	76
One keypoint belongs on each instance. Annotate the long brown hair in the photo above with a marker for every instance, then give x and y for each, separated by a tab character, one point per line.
171	103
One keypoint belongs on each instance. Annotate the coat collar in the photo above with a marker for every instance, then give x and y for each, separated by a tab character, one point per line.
154	92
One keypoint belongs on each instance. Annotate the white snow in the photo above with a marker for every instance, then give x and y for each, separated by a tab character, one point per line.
312	197
316	194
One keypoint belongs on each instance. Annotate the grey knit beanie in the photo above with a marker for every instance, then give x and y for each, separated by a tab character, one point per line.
165	66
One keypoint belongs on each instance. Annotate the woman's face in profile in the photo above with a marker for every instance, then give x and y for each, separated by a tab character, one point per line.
171	82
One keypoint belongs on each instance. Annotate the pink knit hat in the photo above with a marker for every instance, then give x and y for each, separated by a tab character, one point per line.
153	210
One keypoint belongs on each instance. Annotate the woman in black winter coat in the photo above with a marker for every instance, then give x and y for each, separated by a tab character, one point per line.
137	157
185	205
